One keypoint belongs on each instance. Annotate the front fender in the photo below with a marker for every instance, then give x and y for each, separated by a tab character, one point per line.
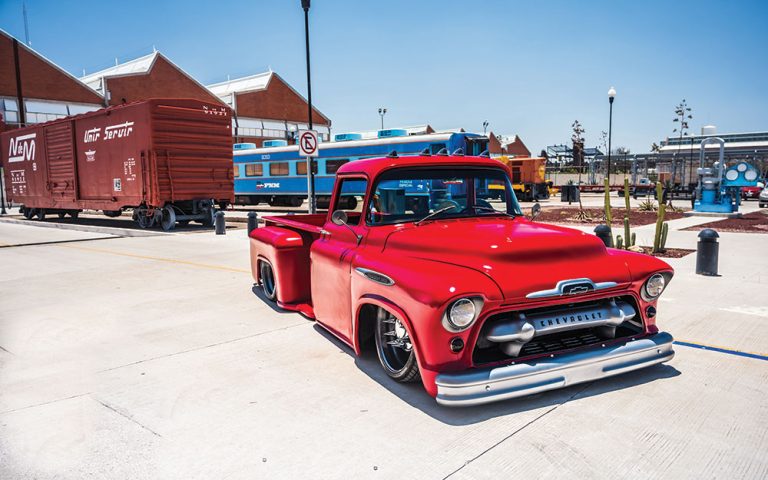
421	292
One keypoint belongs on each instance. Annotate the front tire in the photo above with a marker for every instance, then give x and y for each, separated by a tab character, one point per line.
394	348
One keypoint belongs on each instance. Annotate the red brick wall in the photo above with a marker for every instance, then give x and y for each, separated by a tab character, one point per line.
163	80
277	102
39	79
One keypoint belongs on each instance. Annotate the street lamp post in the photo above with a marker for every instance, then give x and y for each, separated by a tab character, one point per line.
382	112
485	126
311	199
611	95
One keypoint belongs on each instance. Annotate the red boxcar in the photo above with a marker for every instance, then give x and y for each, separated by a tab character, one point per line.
168	159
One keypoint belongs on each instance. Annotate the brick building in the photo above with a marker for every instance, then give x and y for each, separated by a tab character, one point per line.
45	90
150	76
267	107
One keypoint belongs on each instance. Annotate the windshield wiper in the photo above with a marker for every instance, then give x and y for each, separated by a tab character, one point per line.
436	212
491	209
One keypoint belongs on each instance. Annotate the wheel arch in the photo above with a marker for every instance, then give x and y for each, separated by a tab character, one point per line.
365	316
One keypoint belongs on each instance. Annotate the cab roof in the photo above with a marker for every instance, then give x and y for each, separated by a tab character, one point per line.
372	167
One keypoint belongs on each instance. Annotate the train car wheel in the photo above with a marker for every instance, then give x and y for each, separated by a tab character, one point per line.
28	213
296	201
74	214
141	218
40	213
62	214
168	219
207	221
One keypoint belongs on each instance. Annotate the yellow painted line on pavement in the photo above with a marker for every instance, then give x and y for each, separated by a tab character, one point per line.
157	259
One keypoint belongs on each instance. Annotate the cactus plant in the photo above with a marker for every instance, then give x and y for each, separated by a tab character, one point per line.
663	240
632	240
657	245
627	234
619	242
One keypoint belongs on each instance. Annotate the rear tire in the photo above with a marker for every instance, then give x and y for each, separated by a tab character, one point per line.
394	348
267	280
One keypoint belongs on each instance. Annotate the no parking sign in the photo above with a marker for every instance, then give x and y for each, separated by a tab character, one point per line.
308	143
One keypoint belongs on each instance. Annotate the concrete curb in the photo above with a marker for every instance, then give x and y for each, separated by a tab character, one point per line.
120	232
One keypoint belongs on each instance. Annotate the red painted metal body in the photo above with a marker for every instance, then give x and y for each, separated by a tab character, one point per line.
499	259
146	153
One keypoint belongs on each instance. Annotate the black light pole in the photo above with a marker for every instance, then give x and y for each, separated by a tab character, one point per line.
485	126
611	95
311	200
382	112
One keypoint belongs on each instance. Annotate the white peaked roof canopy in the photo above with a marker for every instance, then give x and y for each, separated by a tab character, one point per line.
138	65
251	83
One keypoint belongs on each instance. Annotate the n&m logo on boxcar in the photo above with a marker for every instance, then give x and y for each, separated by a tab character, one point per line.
22	148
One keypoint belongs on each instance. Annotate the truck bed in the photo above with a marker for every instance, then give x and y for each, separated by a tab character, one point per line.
312	223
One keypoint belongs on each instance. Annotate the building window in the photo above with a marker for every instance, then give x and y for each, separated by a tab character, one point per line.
279	169
332	166
254	170
301	167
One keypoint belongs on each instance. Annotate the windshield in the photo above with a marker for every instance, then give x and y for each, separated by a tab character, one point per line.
424	194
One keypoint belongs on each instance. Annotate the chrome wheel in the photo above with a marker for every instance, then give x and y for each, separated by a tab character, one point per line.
394	348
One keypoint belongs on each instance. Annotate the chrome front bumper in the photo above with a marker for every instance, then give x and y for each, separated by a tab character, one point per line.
474	387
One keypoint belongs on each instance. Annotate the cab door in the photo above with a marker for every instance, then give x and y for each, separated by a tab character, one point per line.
331	258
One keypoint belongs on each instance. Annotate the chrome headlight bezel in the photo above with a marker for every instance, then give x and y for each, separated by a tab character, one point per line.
451	321
654	286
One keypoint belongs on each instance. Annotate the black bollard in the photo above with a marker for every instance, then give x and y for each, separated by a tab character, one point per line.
219	223
707	252
253	221
603	232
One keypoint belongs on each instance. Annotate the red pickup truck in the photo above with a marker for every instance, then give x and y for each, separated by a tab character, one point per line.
458	290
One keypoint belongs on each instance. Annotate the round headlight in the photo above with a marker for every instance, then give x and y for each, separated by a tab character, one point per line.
462	313
655	285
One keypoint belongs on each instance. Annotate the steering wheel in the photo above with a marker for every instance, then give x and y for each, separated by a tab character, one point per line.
483	203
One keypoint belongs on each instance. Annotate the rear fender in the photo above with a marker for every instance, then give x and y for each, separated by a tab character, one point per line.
288	252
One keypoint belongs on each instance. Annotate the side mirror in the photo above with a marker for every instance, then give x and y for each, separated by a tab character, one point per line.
339	217
535	211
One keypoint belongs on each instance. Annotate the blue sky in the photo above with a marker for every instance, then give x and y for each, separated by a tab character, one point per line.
529	68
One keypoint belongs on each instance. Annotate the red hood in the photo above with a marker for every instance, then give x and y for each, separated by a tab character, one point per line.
520	256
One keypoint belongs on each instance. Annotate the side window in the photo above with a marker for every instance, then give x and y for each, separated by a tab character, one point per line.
236	170
350	199
331	166
254	170
301	167
278	169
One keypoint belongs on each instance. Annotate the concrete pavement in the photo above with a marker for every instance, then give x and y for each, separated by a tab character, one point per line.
154	357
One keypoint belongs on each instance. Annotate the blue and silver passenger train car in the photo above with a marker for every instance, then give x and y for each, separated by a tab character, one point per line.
277	175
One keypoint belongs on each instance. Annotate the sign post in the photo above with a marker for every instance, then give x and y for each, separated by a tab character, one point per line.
308	148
